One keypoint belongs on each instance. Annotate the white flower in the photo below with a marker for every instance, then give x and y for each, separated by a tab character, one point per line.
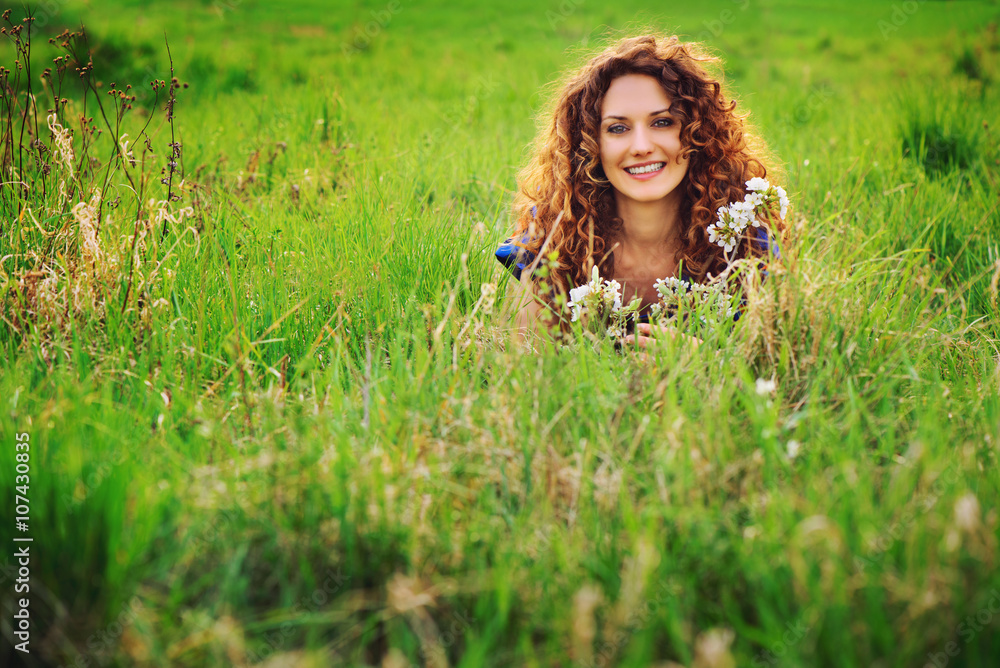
596	295
744	209
967	512
765	387
782	200
758	184
613	292
756	199
671	287
793	448
577	296
595	276
715	234
741	214
732	221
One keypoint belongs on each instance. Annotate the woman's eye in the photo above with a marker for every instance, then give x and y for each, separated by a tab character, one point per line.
663	122
616	129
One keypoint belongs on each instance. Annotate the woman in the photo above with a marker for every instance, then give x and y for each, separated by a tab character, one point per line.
641	151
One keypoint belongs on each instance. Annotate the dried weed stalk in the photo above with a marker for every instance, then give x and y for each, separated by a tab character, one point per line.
67	253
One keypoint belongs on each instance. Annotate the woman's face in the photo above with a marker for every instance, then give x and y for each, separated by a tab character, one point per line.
640	141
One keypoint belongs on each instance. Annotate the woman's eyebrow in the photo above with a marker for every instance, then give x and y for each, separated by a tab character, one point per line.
624	118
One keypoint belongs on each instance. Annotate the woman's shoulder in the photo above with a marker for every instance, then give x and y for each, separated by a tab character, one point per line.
513	253
765	243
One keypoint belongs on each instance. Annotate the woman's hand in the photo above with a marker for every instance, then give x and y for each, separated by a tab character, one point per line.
646	336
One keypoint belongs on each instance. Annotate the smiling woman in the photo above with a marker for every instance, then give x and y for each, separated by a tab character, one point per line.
640	152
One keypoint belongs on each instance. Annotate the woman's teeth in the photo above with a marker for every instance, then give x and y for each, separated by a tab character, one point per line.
645	169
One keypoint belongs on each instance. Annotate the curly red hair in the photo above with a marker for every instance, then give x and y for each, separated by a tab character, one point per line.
564	199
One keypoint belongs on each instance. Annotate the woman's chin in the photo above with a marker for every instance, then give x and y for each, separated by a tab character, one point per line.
646	195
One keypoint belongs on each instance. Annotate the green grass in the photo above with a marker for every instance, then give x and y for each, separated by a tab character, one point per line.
302	431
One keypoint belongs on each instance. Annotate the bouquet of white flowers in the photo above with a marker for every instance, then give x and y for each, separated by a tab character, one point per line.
599	302
710	298
733	219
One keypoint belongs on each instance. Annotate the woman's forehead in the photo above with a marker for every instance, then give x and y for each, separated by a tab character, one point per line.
634	94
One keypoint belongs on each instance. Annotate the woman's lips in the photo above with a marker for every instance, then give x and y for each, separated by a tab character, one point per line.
645	176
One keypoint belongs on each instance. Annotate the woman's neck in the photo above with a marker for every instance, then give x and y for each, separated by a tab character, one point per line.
649	228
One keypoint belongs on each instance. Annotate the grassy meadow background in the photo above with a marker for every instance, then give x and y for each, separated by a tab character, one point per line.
291	430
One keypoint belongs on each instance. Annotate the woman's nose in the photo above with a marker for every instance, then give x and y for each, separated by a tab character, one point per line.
641	142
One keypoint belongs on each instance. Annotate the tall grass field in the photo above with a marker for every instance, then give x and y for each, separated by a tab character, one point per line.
260	404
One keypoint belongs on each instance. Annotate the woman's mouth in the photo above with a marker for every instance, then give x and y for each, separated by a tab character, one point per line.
647	171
